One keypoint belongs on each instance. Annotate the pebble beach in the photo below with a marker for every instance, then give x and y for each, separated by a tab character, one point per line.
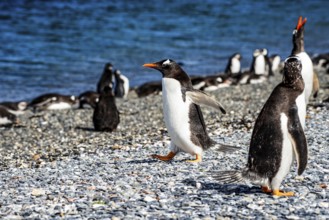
55	166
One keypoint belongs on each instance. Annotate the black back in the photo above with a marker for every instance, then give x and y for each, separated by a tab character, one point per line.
106	115
266	141
88	98
106	78
4	113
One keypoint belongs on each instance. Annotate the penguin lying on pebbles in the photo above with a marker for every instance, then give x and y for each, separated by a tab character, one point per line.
278	136
6	117
88	99
53	101
16	108
106	115
182	113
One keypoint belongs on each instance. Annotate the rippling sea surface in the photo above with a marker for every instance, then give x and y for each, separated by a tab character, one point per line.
62	46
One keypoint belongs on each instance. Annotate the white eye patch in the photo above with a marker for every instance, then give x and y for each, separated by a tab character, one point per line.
166	62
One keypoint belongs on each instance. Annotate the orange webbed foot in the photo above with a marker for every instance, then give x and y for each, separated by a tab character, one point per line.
277	192
164	158
198	158
266	189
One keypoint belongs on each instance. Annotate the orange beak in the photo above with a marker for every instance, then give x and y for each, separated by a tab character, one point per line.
301	22
150	65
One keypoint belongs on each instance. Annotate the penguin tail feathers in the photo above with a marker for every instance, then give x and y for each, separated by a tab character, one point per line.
226	148
228	177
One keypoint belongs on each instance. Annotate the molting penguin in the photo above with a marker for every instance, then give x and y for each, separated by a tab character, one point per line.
16	108
88	99
106	115
53	101
278	136
182	113
106	78
121	89
6	118
299	50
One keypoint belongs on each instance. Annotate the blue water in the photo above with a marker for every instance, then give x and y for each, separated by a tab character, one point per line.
62	46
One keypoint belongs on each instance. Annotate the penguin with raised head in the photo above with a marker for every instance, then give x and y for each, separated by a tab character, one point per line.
182	113
54	101
106	115
278	136
88	99
6	117
106	78
121	88
16	108
299	50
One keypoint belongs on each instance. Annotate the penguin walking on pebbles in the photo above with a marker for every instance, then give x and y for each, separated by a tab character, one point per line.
6	117
309	77
278	136
106	115
182	113
106	78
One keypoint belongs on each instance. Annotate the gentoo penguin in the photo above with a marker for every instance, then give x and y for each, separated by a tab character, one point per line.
106	78
234	65
278	136
6	117
53	101
321	61
106	115
148	88
88	99
299	50
121	89
275	60
268	64
16	108
182	113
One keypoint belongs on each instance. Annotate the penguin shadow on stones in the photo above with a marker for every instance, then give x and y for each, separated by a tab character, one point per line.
227	189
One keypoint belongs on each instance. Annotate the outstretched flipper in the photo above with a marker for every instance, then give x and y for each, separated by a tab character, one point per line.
200	98
298	140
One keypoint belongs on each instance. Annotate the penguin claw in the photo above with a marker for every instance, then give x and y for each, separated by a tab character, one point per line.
164	158
277	192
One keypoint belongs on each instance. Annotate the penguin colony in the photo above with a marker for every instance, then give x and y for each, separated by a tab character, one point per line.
278	135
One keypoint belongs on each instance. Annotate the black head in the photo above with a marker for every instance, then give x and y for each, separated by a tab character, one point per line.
108	67
298	36
170	69
292	73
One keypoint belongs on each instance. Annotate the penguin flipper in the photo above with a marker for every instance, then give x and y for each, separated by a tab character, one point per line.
200	98
316	85
298	140
228	177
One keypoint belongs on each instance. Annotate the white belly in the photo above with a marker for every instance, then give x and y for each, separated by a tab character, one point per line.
307	74
5	121
235	66
301	105
286	154
59	106
176	116
260	65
